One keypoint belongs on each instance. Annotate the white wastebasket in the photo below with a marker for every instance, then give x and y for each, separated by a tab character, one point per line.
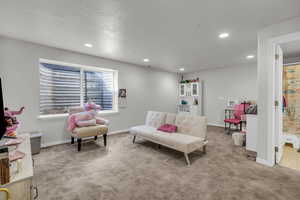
238	138
35	140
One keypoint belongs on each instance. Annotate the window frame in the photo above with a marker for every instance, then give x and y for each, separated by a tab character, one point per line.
82	69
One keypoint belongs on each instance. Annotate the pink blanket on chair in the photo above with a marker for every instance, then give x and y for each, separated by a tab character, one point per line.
82	116
84	119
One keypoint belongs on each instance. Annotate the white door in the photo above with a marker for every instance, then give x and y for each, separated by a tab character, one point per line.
279	140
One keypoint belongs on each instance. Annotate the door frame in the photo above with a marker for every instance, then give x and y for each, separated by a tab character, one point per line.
273	134
279	143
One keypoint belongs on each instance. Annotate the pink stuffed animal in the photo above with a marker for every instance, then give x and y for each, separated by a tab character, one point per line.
86	118
11	121
91	106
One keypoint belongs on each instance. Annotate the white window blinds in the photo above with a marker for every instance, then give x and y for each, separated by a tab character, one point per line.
98	87
63	86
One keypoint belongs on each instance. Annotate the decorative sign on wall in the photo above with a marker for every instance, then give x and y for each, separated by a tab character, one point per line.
122	98
122	93
291	93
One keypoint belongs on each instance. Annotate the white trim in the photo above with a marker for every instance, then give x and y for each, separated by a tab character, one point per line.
54	143
286	38
116	91
216	124
53	116
65	115
81	87
270	59
264	162
118	132
68	141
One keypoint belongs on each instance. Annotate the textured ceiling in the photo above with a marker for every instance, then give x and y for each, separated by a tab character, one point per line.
170	33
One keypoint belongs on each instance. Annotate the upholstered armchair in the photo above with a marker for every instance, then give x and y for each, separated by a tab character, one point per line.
90	131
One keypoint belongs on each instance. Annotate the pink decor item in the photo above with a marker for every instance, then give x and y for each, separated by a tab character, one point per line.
91	106
10	131
86	123
11	113
87	118
11	120
101	121
72	122
82	116
169	128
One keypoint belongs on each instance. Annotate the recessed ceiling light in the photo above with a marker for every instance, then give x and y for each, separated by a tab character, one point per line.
224	35
146	60
181	69
88	45
250	56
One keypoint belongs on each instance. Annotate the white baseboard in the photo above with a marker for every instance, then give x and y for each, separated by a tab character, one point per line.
264	162
118	132
54	143
69	140
215	124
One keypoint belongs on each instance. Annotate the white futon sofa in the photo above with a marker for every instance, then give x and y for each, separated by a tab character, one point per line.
190	135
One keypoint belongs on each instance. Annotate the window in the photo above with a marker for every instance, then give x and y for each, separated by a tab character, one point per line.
64	85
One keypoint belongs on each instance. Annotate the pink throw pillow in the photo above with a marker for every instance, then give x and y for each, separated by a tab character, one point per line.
169	128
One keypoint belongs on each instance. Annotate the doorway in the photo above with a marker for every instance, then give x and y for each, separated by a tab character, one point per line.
287	112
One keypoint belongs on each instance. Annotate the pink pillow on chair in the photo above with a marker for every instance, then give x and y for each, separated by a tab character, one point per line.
169	128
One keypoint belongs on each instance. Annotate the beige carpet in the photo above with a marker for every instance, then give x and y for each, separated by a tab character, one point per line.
143	172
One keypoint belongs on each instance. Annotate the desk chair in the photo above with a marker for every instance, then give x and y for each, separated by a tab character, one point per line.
236	120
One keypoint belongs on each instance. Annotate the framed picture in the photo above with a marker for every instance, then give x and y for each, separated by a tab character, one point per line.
122	93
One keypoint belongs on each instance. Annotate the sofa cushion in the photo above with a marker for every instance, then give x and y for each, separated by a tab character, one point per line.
155	119
143	130
170	118
178	141
193	125
81	132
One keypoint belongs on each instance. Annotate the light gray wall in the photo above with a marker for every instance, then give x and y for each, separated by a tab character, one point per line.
19	69
220	85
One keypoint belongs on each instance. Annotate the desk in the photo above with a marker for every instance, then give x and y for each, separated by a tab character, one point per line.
20	185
